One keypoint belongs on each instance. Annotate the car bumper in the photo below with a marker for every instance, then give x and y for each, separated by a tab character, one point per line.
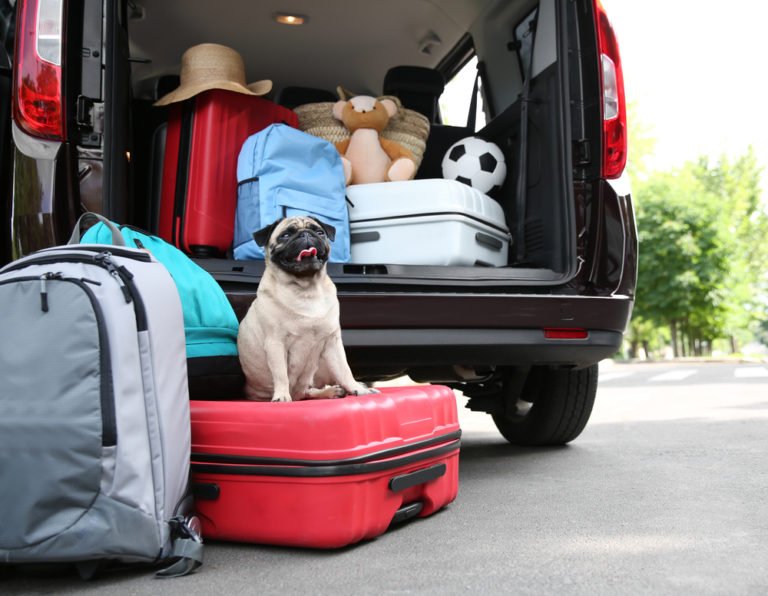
372	348
392	330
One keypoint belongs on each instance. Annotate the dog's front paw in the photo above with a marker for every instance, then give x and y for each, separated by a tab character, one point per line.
363	390
327	392
280	397
339	391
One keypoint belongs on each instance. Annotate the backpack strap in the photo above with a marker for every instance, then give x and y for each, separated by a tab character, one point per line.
77	233
186	548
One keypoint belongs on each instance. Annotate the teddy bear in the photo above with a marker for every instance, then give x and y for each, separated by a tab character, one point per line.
367	157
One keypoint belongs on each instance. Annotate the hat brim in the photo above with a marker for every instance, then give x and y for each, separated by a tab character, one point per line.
186	91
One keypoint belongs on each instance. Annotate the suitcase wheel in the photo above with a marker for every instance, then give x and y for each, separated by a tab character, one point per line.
407	512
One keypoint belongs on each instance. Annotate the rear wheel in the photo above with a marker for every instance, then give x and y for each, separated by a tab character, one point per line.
552	408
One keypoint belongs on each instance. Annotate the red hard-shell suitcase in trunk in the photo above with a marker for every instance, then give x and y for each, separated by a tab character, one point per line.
323	473
199	185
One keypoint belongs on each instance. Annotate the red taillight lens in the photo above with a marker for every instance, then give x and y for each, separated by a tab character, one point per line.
37	98
565	333
614	106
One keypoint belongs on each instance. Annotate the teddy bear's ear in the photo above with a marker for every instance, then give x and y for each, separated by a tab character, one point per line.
338	109
390	106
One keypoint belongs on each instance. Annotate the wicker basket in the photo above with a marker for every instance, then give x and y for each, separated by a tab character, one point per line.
407	127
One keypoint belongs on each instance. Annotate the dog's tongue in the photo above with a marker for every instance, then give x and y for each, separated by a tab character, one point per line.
307	252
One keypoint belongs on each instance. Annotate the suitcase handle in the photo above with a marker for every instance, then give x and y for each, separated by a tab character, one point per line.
206	491
359	237
404	481
489	241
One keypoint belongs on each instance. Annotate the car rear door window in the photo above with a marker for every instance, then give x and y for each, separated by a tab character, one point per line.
457	97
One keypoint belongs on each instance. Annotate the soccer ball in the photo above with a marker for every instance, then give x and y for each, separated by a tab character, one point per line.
476	163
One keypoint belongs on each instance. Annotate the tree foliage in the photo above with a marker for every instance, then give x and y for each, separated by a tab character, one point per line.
703	256
683	257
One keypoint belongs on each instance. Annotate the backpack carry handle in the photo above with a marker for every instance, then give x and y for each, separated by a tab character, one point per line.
77	233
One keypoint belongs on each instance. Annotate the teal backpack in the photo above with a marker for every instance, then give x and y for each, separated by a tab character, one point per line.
210	323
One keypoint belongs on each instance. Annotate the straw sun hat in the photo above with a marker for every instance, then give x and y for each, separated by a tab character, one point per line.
212	66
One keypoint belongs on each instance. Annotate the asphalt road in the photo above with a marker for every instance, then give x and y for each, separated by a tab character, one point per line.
665	492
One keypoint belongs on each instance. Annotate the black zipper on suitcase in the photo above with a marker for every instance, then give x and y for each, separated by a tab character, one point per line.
106	387
325	469
434	213
360	459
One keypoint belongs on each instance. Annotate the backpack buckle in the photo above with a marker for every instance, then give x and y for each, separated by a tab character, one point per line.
186	549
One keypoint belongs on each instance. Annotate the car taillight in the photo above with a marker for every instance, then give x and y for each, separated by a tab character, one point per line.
37	98
565	333
614	107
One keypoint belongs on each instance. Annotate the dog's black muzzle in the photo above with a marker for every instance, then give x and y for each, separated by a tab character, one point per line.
304	253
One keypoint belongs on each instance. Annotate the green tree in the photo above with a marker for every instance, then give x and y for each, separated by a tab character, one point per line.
735	185
683	263
703	271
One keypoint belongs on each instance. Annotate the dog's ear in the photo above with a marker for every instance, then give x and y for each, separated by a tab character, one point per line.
330	231
262	236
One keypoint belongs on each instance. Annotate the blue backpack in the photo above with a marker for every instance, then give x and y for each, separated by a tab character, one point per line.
210	323
281	172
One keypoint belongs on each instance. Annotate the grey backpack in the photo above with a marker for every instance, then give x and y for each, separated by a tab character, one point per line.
94	410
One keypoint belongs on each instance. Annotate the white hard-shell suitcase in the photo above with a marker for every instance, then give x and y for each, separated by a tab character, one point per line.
426	222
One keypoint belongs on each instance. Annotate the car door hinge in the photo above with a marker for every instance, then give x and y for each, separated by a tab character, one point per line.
582	153
90	121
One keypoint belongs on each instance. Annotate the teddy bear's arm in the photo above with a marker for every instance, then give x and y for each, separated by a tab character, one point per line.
403	166
395	150
341	146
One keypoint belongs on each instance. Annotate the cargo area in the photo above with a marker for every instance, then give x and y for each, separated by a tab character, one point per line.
491	246
528	59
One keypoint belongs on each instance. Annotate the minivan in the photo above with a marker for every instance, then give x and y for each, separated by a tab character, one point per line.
522	341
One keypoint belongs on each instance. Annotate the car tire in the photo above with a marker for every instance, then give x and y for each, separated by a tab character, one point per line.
552	408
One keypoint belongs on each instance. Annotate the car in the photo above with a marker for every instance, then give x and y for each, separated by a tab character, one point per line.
542	80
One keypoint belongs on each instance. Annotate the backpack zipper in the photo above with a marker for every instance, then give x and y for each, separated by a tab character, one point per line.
44	291
105	259
117	251
122	276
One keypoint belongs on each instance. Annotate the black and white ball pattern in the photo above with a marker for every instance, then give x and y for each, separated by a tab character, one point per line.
477	163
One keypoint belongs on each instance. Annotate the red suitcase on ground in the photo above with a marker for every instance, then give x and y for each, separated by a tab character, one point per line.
323	473
199	186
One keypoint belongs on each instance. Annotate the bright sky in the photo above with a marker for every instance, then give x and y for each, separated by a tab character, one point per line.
698	74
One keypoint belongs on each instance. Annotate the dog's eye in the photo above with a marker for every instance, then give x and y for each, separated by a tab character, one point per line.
320	232
284	236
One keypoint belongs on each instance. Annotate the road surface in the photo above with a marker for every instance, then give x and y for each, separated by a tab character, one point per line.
665	492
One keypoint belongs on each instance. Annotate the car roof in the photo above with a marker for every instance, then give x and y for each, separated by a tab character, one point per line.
352	44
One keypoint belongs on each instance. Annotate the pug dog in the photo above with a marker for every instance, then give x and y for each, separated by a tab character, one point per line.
290	339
